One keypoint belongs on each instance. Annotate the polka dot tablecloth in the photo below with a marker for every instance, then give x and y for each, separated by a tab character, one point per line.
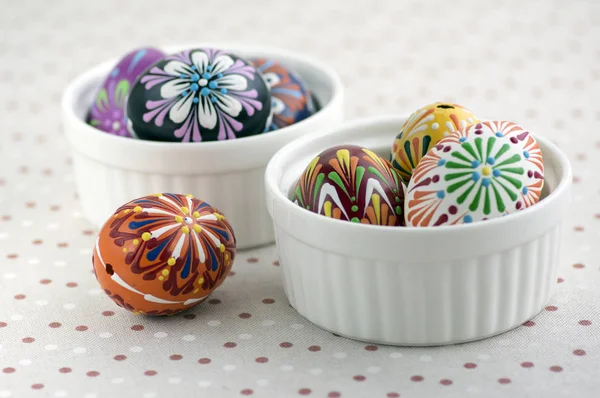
534	62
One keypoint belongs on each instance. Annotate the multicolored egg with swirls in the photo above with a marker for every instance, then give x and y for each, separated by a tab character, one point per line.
352	183
484	171
202	94
108	110
291	100
423	130
163	253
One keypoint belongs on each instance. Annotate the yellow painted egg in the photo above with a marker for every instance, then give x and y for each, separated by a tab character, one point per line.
423	130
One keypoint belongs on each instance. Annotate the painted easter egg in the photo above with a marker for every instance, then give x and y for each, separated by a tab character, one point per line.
108	110
352	183
291	101
423	130
163	253
484	171
203	94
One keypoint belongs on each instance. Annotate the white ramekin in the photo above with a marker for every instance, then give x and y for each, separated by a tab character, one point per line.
414	286
111	170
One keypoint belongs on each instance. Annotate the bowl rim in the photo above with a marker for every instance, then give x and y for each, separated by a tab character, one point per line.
76	86
272	184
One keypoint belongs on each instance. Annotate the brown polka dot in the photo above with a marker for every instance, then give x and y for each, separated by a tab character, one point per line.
314	348
150	373
137	328
530	113
247	391
47	172
37	386
63	244
559	280
20	297
108	313
334	394
262	359
551	308
585	322
9	370
252	260
55	325
93	373
214	301
230	344
24	170
359	378
470	365
28	340
285	344
88	232
231	273
12	256
81	328
276	263
245	315
3	324
175	357
576	180
529	323
504	380
37	241
268	301
189	316
417	378
392	395
579	228
527	364
30	205
371	348
72	284
45	281
204	361
6	217
556	369
445	382
65	370
304	391
120	357
579	352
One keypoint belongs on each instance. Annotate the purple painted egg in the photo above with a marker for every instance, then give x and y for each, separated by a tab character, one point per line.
108	110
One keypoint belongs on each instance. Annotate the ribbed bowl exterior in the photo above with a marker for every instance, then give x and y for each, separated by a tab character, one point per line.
103	188
420	304
414	286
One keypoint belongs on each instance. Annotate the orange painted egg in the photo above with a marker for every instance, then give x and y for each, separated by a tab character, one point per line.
163	253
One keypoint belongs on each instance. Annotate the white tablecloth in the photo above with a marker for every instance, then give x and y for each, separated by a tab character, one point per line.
534	62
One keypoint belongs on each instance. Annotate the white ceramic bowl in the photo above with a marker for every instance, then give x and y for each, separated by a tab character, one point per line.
111	170
414	286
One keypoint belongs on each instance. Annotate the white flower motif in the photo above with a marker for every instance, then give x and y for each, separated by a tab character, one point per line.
203	84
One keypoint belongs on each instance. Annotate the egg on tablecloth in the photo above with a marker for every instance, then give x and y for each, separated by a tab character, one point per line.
201	94
108	110
423	130
163	253
351	183
484	171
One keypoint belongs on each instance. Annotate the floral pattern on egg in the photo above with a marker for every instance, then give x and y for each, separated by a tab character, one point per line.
351	183
423	130
163	253
202	94
485	171
291	101
108	110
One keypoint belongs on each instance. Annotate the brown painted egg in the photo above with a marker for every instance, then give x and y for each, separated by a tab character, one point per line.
352	183
163	253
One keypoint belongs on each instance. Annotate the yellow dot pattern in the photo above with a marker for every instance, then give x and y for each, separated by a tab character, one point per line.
196	214
185	210
185	230
197	228
146	236
171	261
137	209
